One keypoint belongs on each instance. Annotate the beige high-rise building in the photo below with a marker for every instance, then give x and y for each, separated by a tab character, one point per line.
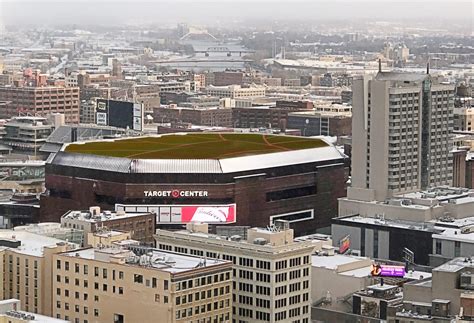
26	269
272	273
114	285
401	125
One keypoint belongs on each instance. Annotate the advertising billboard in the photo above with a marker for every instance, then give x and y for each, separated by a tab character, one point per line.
344	244
387	271
182	214
121	114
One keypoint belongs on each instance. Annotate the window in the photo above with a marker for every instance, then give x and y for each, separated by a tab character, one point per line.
86	269
457	248
58	264
138	279
118	318
438	247
96	312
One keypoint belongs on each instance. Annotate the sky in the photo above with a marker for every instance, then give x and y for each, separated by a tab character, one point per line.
207	11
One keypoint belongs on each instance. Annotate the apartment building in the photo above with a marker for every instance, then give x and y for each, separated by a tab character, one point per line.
272	273
41	101
141	225
26	269
400	134
447	295
118	285
235	91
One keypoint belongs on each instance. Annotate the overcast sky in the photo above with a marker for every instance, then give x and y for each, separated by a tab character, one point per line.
206	11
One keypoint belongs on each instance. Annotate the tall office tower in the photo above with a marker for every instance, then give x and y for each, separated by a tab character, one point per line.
401	129
272	272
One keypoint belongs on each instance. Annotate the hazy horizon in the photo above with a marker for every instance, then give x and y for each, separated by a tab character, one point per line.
106	12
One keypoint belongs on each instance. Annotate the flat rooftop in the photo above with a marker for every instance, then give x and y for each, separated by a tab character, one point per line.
87	216
236	242
456	265
421	226
333	262
155	259
195	146
31	244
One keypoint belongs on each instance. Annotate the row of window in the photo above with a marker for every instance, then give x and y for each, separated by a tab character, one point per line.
202	295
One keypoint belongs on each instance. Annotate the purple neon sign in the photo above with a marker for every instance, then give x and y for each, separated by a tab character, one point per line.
388	271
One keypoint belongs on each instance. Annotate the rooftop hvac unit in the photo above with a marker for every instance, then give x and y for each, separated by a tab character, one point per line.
467	230
260	241
467	281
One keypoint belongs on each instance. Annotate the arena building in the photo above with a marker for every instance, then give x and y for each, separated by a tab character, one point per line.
243	179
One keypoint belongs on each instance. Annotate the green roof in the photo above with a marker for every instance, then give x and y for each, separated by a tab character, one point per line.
195	146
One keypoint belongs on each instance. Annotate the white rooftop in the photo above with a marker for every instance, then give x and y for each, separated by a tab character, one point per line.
159	260
456	264
332	262
31	244
87	216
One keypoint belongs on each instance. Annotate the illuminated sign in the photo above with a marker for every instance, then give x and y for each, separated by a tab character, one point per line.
180	214
344	244
387	271
176	193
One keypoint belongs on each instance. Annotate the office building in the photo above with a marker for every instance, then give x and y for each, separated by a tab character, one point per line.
435	225
10	313
202	116
235	91
272	273
447	295
141	225
114	284
375	301
41	101
312	123
27	269
87	111
226	78
401	129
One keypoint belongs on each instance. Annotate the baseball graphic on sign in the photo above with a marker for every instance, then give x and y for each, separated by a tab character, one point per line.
208	214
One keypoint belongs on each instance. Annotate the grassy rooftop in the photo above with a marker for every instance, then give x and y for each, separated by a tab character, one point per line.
195	146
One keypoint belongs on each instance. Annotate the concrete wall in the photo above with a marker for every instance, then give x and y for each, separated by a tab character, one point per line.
340	231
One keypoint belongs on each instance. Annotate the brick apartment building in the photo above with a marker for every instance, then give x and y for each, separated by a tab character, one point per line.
41	101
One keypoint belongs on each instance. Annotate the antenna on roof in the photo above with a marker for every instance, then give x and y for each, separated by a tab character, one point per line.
380	65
